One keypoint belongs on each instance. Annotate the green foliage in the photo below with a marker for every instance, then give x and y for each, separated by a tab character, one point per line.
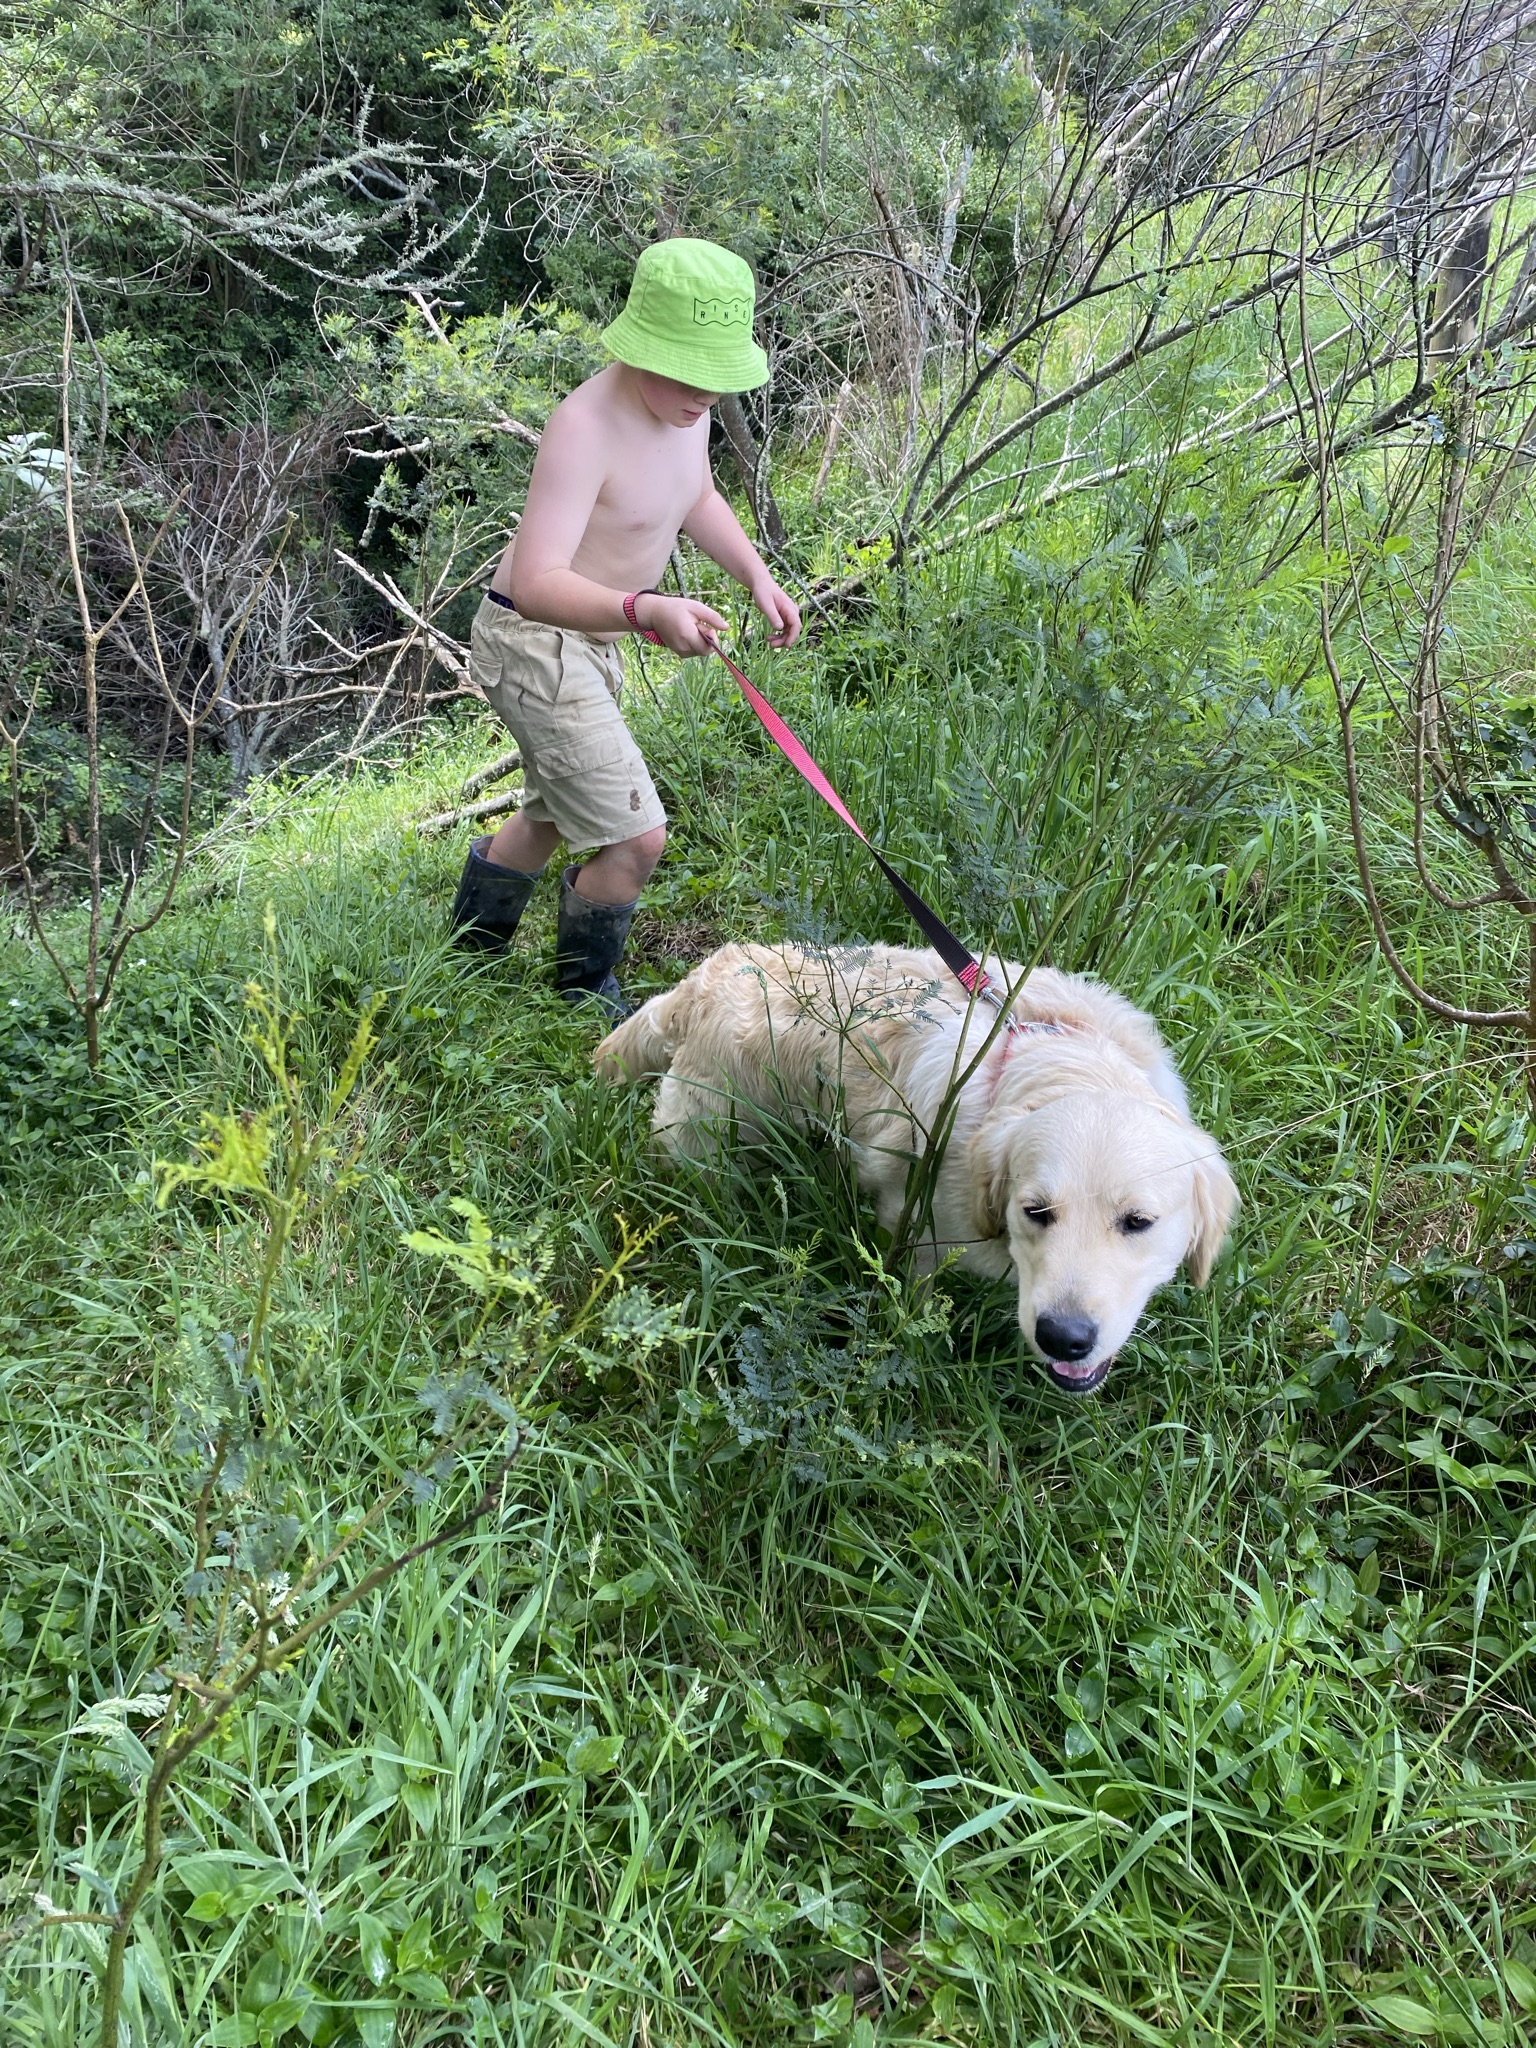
277	1154
221	164
601	103
812	1399
457	389
822	1674
50	790
966	60
480	1259
829	1676
47	1091
50	1102
607	96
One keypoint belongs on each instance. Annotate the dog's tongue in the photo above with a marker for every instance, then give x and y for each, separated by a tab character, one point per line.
1083	1377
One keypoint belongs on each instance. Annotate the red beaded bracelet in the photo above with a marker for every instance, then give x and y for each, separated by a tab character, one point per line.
629	613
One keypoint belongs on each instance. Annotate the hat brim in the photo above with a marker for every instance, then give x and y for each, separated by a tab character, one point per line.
739	366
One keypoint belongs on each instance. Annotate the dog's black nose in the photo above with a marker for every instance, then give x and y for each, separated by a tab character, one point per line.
1066	1337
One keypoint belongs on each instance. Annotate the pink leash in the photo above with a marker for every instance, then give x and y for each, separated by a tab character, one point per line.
958	958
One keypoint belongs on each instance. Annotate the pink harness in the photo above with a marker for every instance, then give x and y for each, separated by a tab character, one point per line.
1033	1027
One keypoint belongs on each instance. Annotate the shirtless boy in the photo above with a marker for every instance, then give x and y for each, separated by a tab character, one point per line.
622	469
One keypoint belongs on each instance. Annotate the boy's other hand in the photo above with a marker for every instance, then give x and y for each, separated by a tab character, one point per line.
780	610
680	623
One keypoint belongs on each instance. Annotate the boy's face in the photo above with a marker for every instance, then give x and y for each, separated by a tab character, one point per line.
676	405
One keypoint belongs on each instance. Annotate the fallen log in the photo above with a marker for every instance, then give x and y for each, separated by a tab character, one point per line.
493	771
489	807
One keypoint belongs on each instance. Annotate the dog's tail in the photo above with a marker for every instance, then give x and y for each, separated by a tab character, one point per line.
645	1045
642	1047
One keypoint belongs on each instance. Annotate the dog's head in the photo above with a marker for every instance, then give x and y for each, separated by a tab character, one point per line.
1101	1197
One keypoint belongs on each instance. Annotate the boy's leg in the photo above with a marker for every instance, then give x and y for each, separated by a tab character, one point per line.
617	874
522	842
502	868
493	894
584	781
594	919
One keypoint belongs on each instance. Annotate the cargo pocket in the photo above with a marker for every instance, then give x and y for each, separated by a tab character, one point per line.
518	666
484	659
565	759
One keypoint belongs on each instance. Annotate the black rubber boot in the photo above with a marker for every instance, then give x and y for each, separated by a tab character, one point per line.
490	903
589	944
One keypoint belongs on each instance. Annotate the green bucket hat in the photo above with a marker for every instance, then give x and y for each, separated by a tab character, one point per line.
689	316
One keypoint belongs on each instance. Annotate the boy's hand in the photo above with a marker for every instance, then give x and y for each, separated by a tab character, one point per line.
780	610
680	623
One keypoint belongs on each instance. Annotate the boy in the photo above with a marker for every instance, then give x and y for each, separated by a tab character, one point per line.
622	468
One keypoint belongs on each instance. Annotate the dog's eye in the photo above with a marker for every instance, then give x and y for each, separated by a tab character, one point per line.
1133	1222
1039	1213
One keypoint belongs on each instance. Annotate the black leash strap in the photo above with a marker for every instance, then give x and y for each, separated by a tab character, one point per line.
959	959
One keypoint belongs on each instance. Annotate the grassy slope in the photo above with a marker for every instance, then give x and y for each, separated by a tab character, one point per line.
951	1709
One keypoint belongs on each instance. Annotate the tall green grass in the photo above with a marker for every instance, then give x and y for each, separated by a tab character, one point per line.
826	1676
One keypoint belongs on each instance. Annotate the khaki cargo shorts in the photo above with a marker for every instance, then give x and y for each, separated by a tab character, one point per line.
558	694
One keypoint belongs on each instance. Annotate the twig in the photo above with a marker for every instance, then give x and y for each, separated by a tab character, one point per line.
449	653
489	807
503	423
834	433
1326	459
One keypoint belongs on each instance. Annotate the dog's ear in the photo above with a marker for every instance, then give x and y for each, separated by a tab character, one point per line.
1214	1204
991	1169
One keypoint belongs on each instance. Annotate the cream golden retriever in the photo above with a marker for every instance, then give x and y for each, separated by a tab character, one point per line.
1070	1155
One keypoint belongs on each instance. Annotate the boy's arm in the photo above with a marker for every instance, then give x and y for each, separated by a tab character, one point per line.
567	474
714	527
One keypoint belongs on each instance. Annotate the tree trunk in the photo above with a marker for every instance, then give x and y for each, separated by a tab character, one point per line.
834	433
732	415
1459	291
91	1000
930	300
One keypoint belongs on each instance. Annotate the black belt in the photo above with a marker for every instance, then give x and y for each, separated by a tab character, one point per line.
506	603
